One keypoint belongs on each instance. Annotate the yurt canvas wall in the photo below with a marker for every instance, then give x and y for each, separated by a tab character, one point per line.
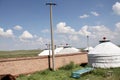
88	49
105	55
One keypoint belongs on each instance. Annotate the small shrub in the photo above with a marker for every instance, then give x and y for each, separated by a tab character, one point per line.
45	72
21	75
31	78
99	72
69	66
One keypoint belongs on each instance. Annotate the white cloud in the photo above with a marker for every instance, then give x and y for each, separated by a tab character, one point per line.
74	37
45	31
70	35
43	40
84	16
116	8
17	27
8	33
40	39
118	25
66	34
117	30
35	36
94	13
96	32
84	31
62	28
26	35
101	31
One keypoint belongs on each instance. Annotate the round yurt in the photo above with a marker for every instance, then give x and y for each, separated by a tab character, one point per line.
69	50
88	49
45	52
60	50
104	55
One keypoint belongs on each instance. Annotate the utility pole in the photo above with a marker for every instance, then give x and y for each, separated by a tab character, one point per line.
88	42
52	40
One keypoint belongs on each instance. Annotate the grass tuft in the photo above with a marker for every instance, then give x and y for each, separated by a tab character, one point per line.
70	66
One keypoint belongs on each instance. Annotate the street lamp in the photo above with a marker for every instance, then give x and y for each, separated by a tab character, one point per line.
52	40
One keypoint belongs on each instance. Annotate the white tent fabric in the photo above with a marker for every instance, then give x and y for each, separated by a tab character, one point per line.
105	55
45	52
68	50
59	50
88	48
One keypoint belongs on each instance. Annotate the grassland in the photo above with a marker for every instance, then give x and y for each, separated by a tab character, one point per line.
19	53
64	73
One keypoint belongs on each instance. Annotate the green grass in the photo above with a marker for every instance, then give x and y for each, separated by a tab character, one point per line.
64	73
19	53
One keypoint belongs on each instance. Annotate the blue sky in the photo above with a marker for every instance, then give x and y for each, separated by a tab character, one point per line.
24	24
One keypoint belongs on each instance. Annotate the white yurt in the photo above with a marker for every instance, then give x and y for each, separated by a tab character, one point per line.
57	50
60	50
45	52
104	55
88	48
68	50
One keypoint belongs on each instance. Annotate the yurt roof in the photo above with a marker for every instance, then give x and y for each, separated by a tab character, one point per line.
88	48
59	50
69	50
106	48
45	52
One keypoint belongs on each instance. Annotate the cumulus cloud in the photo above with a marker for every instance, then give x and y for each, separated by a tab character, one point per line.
101	31
17	27
95	32
84	16
116	8
26	35
118	25
73	37
69	35
84	31
8	33
42	40
94	13
117	30
63	28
